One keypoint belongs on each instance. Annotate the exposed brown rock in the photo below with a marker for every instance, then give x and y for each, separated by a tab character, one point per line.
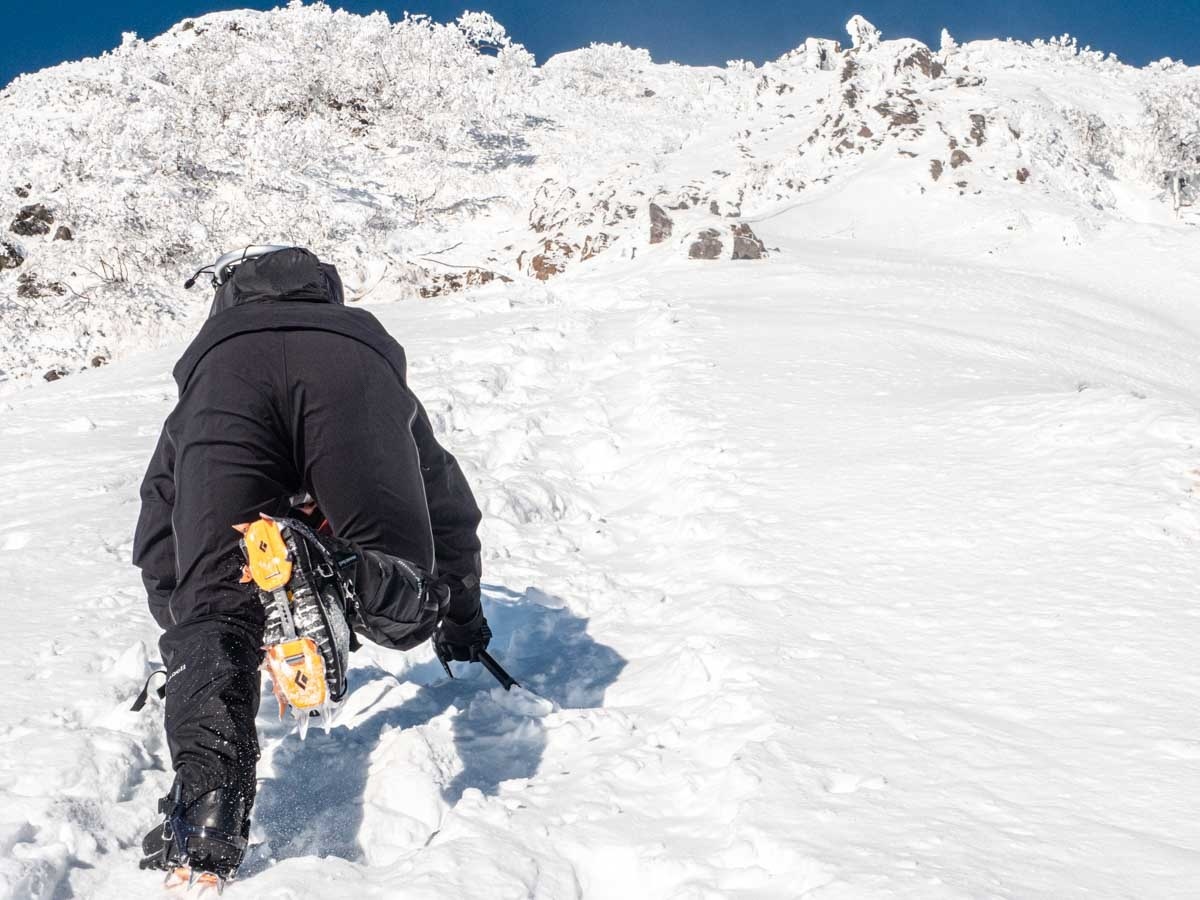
63	233
54	374
98	361
661	225
1022	175
707	245
452	282
746	244
935	169
897	117
978	129
552	260
922	60
22	190
32	220
958	158
865	132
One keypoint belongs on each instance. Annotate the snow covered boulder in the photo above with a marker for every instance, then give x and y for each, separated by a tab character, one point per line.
11	255
32	220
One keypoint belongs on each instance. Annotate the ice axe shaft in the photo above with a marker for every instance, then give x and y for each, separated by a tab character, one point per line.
497	670
489	663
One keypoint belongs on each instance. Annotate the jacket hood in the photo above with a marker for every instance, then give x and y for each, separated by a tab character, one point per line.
293	274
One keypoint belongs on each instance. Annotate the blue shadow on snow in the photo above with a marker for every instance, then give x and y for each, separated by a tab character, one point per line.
314	807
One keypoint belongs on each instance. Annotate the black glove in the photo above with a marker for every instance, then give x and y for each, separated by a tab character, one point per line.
462	642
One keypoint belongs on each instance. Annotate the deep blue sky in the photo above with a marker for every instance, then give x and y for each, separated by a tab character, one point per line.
34	34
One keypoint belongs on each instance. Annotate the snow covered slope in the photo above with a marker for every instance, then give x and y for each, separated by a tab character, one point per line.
863	570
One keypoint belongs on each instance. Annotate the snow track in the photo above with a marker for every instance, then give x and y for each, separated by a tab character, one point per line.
819	584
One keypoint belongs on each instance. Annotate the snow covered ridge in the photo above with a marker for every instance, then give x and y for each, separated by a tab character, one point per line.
423	157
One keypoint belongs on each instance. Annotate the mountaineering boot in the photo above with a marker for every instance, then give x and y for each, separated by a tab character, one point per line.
305	583
203	841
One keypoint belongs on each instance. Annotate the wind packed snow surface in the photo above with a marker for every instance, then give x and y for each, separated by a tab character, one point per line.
867	569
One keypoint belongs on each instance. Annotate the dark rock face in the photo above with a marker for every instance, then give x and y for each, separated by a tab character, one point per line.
1022	175
660	224
11	255
935	169
958	157
707	245
29	287
56	373
98	361
746	244
32	220
63	233
22	190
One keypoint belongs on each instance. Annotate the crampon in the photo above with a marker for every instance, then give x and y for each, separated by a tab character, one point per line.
187	877
306	597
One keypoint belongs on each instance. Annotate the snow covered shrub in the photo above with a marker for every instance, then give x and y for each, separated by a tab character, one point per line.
602	71
237	127
1172	112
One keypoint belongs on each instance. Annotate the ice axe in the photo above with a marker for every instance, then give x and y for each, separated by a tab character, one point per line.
489	662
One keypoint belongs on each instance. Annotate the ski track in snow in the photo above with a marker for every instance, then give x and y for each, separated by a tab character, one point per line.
819	585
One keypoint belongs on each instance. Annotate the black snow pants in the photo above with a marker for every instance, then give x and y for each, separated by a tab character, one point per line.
266	415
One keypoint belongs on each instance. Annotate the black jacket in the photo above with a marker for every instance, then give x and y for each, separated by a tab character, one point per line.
291	290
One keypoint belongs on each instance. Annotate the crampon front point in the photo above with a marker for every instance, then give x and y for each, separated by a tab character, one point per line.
307	637
185	878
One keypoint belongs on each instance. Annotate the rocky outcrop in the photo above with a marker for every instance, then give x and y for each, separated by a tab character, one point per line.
555	256
822	54
11	255
63	233
452	282
707	245
32	220
921	60
746	244
660	224
738	242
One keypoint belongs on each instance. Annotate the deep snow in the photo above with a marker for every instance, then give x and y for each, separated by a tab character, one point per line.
822	578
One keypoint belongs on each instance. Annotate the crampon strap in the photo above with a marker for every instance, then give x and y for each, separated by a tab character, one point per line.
140	702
